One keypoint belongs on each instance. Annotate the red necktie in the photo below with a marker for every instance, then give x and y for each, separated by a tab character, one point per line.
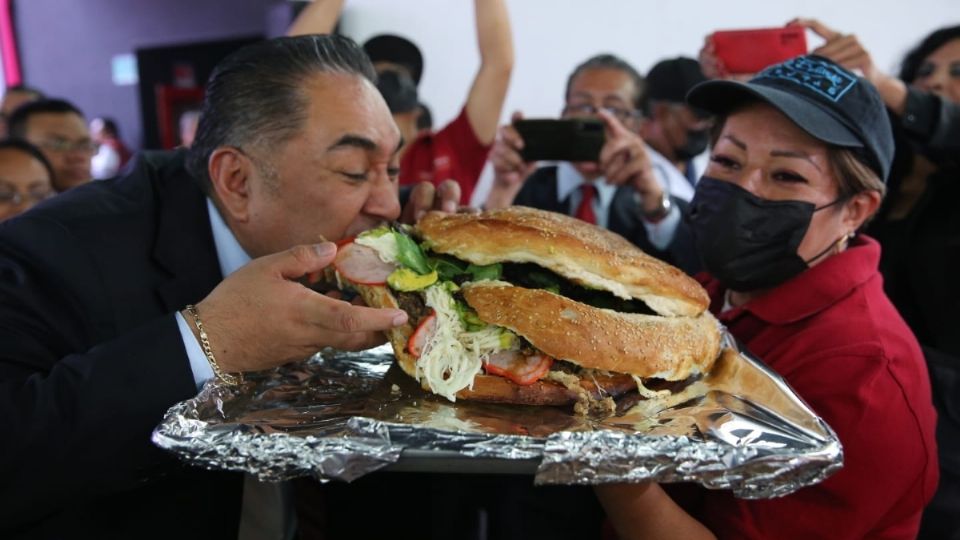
585	209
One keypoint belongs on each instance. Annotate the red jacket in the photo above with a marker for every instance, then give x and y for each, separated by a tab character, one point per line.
453	153
834	336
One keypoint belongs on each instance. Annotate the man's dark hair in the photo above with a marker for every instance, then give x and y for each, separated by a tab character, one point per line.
110	126
257	93
17	124
914	59
610	61
23	89
425	118
30	150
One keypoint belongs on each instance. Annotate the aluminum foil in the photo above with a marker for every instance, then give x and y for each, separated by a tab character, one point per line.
342	415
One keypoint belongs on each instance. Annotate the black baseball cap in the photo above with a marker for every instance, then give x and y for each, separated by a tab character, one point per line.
671	79
398	90
827	101
396	50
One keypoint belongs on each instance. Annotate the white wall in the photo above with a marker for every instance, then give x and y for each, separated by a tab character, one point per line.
553	36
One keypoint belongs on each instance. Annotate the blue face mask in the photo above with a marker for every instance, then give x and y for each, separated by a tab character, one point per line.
746	242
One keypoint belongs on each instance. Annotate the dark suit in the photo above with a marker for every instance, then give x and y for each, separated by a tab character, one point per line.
540	191
92	358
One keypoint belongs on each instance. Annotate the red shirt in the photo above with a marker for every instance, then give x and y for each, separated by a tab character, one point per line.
839	342
453	153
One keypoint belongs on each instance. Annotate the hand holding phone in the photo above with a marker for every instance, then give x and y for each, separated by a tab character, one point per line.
567	139
752	50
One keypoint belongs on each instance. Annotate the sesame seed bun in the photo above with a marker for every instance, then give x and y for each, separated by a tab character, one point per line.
583	253
670	348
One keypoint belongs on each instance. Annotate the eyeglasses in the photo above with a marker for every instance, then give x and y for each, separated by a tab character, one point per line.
588	109
64	145
12	197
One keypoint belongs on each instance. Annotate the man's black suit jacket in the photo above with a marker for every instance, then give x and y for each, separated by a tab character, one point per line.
540	191
91	358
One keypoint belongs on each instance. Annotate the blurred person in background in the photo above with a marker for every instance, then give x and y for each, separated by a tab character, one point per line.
112	153
918	225
623	191
58	129
676	134
797	167
459	150
424	119
188	127
26	177
14	97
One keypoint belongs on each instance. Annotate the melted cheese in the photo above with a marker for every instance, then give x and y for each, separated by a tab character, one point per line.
648	393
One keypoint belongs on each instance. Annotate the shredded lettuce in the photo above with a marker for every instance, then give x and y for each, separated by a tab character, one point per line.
410	255
490	272
447	268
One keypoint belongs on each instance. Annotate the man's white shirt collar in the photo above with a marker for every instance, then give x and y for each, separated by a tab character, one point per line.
569	179
229	253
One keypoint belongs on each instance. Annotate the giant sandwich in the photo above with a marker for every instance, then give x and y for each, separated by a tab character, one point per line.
526	306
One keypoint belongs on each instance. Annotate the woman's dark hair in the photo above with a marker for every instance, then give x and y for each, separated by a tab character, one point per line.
610	61
914	59
29	149
255	96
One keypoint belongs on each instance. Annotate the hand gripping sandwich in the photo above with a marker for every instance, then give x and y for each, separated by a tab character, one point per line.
531	307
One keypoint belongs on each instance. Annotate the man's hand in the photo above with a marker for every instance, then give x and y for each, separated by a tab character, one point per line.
624	161
426	197
711	66
261	317
509	168
844	49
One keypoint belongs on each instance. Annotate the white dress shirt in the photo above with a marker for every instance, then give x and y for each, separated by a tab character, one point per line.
231	257
569	180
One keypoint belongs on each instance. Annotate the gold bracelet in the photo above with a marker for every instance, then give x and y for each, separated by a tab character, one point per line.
232	380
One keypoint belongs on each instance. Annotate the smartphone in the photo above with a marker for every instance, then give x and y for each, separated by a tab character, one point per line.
750	51
568	139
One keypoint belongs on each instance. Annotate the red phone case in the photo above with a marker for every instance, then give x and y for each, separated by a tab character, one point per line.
749	51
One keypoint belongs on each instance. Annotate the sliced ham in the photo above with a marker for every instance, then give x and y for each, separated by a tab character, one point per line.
361	264
523	370
418	340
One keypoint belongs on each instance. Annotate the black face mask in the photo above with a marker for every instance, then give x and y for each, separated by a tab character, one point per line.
746	242
697	141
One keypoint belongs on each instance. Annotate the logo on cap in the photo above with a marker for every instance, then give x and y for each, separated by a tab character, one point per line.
824	78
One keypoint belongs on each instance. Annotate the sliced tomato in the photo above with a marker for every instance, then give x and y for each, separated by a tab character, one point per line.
418	340
361	264
344	241
523	370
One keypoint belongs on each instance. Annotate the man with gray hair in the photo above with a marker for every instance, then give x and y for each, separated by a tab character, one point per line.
119	299
622	190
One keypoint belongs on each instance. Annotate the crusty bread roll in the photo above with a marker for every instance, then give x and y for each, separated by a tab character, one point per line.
670	348
583	253
613	347
379	296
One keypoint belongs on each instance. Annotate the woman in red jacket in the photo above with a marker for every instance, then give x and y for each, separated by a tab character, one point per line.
797	168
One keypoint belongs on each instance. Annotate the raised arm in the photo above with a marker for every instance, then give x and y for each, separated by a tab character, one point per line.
489	89
846	49
319	17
